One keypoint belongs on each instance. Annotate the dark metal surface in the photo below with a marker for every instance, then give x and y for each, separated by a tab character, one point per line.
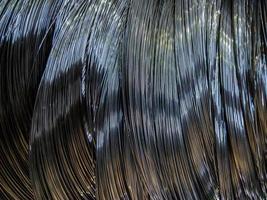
133	99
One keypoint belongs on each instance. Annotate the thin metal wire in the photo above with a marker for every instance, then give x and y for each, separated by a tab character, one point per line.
133	99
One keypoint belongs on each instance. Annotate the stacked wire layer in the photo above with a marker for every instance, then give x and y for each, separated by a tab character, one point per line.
133	99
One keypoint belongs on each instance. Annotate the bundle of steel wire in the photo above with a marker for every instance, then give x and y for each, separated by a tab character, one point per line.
133	99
